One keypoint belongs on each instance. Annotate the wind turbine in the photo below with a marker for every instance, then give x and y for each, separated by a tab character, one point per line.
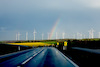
63	35
80	35
34	34
99	34
18	35
91	35
26	35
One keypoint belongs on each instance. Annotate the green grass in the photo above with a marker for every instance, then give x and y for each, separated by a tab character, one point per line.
50	42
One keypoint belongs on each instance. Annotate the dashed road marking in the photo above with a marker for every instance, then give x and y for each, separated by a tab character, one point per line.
29	58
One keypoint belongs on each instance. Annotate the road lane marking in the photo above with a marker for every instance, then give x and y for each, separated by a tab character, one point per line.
30	58
68	59
18	66
27	60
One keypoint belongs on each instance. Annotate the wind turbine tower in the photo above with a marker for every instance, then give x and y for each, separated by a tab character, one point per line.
91	35
26	35
99	34
18	35
63	35
77	35
80	36
34	34
42	36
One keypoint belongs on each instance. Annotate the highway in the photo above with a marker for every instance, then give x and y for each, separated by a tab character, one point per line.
39	57
96	51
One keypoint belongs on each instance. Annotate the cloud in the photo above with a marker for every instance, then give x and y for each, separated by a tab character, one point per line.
27	5
90	3
26	14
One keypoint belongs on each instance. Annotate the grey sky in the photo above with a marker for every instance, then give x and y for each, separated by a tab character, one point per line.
27	15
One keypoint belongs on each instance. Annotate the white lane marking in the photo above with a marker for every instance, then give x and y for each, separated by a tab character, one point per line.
68	59
31	57
56	52
18	66
27	60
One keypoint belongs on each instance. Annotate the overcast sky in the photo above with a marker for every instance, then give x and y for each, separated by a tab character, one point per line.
26	15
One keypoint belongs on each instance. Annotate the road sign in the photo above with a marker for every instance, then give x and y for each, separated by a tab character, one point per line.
65	43
57	43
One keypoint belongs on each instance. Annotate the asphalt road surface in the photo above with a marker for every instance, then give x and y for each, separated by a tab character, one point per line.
40	57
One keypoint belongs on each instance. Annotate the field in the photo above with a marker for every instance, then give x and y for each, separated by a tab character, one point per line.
86	43
31	44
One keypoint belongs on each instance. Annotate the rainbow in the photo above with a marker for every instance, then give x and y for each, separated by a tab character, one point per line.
54	28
